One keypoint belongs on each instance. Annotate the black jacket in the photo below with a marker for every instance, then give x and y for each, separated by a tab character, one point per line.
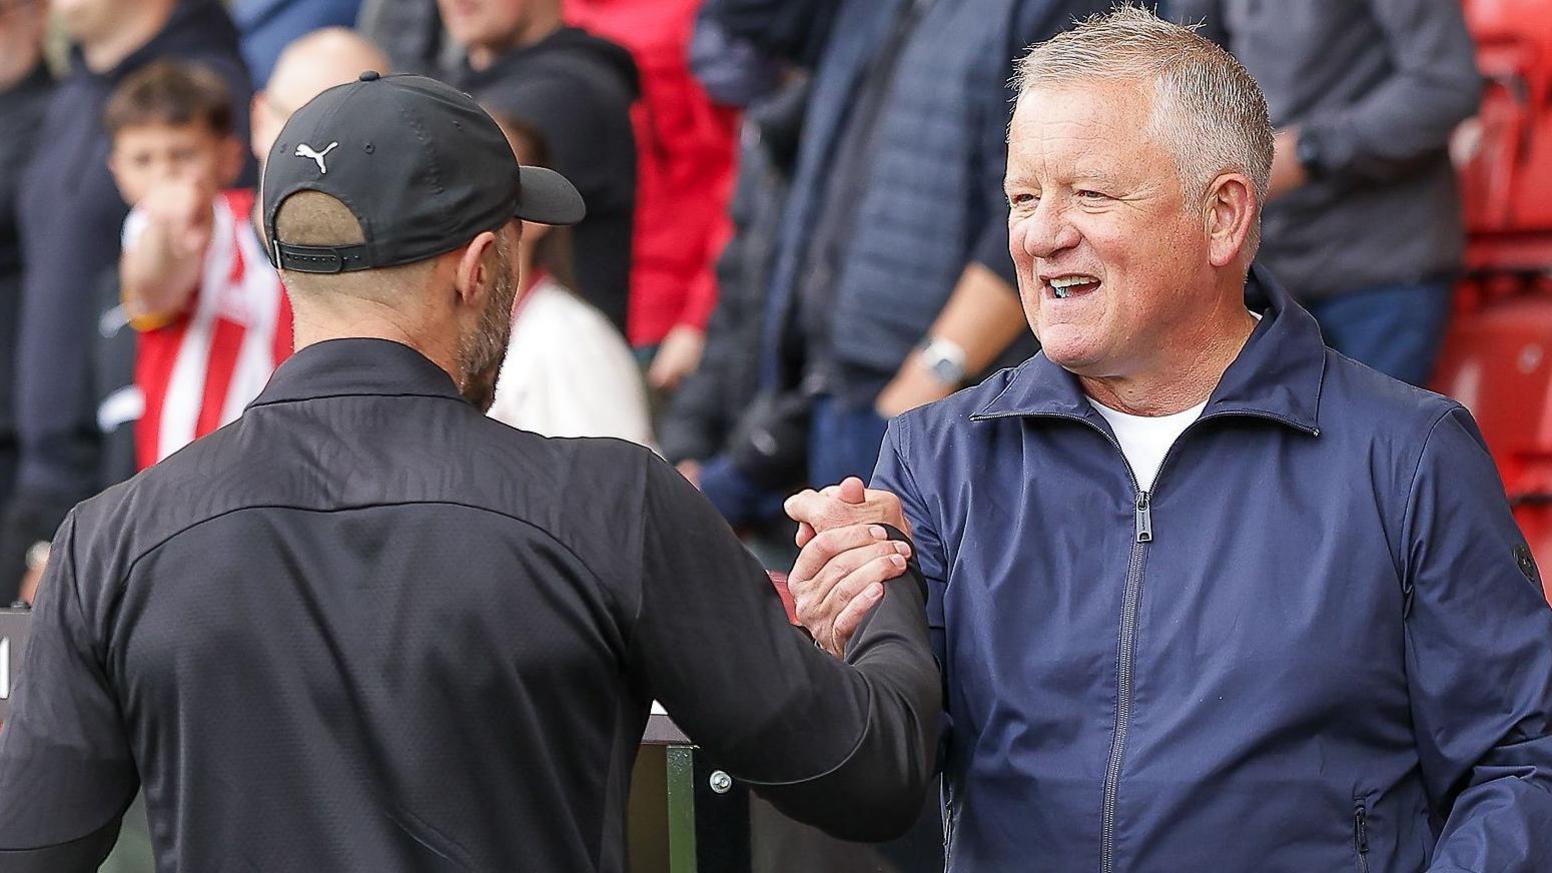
367	628
577	90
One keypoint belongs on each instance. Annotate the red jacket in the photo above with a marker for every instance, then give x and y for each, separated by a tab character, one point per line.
685	150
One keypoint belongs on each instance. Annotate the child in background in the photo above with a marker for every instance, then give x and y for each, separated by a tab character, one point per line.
568	372
212	317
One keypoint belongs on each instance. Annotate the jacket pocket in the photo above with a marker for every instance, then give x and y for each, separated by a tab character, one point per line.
1361	834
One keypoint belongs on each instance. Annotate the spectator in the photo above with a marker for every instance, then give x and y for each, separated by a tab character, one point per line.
746	458
70	236
204	348
1207	595
576	89
24	88
568	372
306	68
1364	222
892	281
266	27
212	318
684	166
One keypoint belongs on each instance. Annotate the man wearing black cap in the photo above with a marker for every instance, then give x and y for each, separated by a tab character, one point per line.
366	628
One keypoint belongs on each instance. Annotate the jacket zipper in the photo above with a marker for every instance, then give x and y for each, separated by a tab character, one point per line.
1361	837
1143	535
1124	660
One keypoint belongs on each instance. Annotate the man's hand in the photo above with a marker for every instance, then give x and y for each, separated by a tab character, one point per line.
677	357
162	266
1287	172
845	504
839	576
913	386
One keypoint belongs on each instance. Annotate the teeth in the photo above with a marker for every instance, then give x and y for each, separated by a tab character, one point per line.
1062	286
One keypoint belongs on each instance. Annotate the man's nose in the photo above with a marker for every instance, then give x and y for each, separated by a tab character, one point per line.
1046	231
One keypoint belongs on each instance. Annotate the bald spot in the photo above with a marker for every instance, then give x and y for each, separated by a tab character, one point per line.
320	60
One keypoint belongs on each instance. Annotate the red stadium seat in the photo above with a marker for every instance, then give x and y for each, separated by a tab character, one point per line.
1498	362
1506	172
1498	356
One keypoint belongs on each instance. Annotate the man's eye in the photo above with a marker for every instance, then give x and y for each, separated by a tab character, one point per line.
1090	195
1023	198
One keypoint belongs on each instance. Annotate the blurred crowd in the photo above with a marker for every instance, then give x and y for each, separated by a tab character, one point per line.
796	222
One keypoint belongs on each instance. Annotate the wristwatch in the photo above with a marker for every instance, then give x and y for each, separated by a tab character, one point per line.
944	359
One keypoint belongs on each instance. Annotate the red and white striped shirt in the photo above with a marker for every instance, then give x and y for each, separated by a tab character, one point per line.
200	371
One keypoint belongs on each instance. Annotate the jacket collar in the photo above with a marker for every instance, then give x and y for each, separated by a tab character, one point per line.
1277	375
357	367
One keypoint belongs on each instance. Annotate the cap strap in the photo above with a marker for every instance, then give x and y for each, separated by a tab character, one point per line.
322	259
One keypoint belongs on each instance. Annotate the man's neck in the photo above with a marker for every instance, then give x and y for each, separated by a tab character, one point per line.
1185	380
371	320
130	36
541	24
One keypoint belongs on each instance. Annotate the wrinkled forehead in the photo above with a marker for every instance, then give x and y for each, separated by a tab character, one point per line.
1100	126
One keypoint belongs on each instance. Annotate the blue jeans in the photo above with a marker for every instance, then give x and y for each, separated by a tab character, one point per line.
1396	329
843	440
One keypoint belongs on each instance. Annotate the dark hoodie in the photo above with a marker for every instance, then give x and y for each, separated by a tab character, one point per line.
71	215
577	90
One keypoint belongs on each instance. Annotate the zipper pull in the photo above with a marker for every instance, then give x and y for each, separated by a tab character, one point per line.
1144	519
1361	830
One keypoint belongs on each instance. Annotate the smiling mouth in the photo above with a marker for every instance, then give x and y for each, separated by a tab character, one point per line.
1065	287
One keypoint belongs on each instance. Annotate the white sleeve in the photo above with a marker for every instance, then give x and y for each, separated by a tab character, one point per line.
134	225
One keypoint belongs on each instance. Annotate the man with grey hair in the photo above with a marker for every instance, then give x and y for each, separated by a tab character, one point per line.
1206	595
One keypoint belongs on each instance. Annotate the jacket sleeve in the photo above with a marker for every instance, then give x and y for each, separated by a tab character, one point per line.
66	771
1433	87
844	746
893	475
1479	659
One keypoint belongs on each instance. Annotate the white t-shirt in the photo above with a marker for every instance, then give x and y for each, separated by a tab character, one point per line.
1145	440
569	373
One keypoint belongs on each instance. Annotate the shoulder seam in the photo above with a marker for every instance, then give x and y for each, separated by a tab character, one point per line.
130	567
1451	407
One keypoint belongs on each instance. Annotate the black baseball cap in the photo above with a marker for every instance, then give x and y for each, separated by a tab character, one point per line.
420	164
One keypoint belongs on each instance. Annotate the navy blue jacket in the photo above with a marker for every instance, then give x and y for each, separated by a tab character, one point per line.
1319	644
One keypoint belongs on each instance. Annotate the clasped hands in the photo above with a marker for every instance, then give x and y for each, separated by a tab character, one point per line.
846	557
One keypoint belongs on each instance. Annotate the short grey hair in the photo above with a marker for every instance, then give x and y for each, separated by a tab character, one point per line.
1206	107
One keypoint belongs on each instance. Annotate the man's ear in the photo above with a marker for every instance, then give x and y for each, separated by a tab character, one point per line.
475	274
1231	209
